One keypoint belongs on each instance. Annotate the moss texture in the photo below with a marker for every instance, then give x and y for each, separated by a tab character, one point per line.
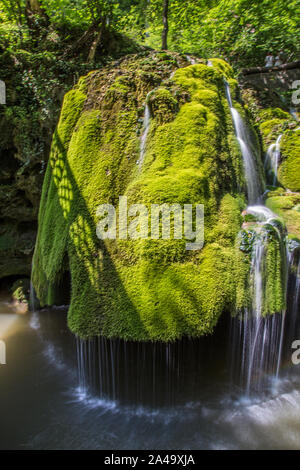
289	171
273	268
142	289
286	205
272	123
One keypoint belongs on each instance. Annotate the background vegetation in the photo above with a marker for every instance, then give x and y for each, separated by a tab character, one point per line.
242	31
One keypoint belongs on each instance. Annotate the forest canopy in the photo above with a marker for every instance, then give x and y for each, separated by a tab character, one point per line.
241	31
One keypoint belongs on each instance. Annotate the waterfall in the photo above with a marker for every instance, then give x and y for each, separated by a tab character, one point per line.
257	338
146	126
253	179
272	158
151	374
292	324
157	373
296	291
32	298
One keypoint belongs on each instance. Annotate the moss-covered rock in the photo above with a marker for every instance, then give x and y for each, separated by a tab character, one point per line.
270	237
273	122
286	205
21	290
289	170
142	289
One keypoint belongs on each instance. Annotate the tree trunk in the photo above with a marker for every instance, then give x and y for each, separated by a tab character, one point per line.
81	41
164	44
96	41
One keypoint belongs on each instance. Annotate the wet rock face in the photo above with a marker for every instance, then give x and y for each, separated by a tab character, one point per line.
17	229
24	147
19	202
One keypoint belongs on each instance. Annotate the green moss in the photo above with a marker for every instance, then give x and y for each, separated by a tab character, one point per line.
273	269
20	290
273	122
268	114
143	289
274	275
222	67
162	104
285	205
242	261
121	85
289	170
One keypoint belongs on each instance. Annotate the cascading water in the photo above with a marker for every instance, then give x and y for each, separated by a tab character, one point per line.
292	320
257	336
272	159
252	175
295	265
146	373
146	126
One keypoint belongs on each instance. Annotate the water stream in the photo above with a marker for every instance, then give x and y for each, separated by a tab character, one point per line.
258	336
249	153
272	159
146	127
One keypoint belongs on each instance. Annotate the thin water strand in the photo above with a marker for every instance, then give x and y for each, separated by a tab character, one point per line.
273	158
146	126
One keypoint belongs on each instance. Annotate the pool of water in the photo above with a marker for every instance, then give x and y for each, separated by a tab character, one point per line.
42	407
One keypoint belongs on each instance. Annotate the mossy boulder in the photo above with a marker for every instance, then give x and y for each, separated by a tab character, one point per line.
286	205
272	268
142	289
272	123
289	170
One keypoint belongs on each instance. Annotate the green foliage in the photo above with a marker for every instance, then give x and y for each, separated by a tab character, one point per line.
237	30
245	31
